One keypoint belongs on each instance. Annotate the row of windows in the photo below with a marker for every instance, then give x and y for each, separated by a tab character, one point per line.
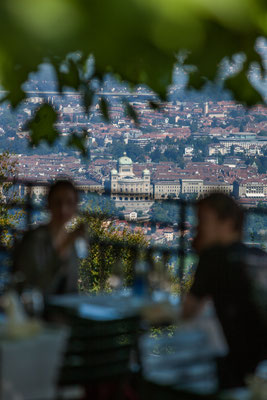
167	186
137	190
254	187
252	190
131	198
133	186
173	189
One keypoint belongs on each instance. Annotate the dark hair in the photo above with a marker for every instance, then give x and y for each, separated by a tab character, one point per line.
61	184
225	208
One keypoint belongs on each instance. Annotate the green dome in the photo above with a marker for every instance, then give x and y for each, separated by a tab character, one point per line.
125	160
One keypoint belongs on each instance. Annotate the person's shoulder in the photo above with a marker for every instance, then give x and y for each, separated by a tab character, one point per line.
212	257
238	248
256	256
247	255
247	250
214	251
224	254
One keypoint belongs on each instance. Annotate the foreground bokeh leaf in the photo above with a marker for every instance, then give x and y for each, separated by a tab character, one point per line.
138	41
245	93
79	142
103	104
41	127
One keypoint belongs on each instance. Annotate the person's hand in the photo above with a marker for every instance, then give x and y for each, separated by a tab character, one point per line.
67	241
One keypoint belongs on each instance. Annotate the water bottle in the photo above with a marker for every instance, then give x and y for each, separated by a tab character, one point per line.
81	247
140	282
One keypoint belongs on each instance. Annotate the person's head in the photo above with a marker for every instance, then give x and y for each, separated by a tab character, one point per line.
220	221
62	201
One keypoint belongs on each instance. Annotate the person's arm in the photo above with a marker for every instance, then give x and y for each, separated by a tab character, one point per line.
200	291
36	260
26	262
192	306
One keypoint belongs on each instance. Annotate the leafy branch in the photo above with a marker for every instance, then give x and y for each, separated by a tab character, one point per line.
137	41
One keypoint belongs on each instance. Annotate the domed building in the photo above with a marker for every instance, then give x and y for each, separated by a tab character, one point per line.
129	190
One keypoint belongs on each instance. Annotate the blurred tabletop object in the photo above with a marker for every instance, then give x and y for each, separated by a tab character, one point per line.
103	341
184	358
114	306
167	392
111	336
29	365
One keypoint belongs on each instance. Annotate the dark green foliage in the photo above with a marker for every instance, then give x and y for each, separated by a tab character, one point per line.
154	105
79	141
164	212
130	111
41	127
8	194
95	202
244	92
156	156
135	152
104	108
137	41
262	164
110	253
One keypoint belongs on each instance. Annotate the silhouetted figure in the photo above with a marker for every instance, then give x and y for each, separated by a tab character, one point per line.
46	256
234	276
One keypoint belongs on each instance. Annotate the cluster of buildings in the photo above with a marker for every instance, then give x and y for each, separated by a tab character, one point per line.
239	143
135	186
137	192
238	135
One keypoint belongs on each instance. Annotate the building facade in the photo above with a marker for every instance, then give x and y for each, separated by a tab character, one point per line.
129	190
165	189
250	189
191	186
200	187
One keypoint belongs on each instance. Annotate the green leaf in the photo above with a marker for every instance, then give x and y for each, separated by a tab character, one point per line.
242	89
139	43
41	127
71	78
14	97
130	111
87	96
103	104
154	105
60	80
12	80
79	141
196	81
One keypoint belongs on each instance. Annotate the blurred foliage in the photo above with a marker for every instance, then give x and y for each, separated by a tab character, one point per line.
95	202
41	127
138	41
164	213
8	195
112	252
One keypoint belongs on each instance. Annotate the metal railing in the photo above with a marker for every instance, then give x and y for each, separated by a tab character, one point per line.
30	207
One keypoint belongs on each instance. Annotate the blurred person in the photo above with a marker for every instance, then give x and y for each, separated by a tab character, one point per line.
234	277
46	256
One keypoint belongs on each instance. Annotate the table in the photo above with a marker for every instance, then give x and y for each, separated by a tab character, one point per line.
103	338
166	392
106	343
